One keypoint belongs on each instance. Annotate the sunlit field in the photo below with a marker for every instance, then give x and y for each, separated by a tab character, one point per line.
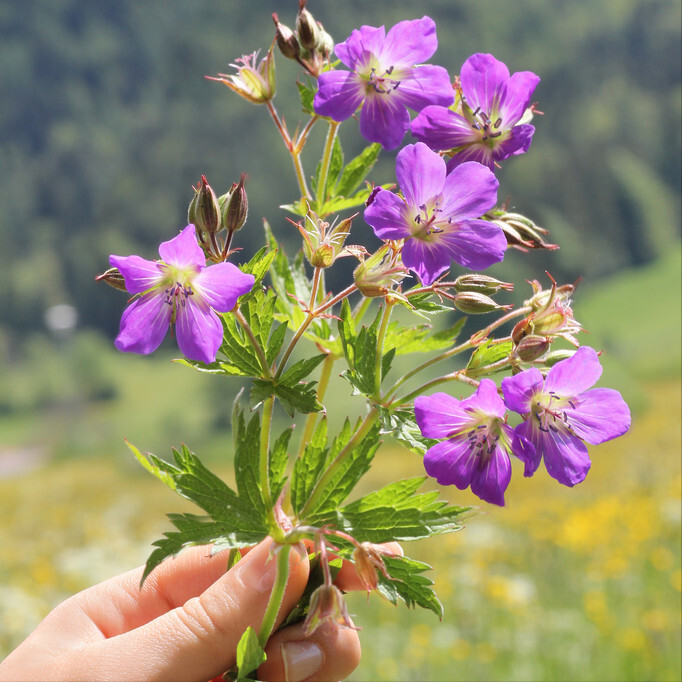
562	584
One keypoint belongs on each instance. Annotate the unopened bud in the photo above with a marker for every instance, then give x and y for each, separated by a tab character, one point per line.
323	244
521	232
306	29
558	355
368	563
235	206
286	40
482	284
113	278
204	209
474	303
327	605
532	347
325	43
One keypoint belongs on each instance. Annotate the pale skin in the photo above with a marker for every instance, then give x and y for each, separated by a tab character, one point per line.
184	624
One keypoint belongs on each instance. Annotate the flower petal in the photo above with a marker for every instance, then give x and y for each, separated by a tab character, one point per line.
339	94
519	93
600	415
144	324
484	81
425	85
440	415
576	374
441	128
386	215
469	191
487	399
139	274
362	42
519	389
480	153
428	259
220	285
199	331
565	456
517	142
490	481
451	462
384	119
525	446
420	173
475	244
183	251
409	43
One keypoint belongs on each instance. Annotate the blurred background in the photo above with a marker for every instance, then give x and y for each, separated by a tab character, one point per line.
106	123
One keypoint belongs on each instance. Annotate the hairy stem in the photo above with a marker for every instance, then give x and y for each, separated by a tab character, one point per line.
454	376
264	459
324	166
380	350
321	390
276	596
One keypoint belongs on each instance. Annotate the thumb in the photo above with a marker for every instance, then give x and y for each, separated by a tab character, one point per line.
198	640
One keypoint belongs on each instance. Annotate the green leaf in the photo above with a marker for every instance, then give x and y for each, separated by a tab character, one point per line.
155	466
300	397
420	339
487	354
258	266
339	204
301	369
246	448
352	467
362	367
335	166
250	654
346	328
356	170
425	303
409	585
402	425
309	465
306	95
279	458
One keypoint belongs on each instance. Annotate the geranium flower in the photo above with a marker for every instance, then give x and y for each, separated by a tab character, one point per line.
438	217
178	290
383	75
561	414
478	441
489	127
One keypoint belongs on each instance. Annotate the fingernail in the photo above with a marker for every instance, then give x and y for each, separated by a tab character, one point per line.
258	569
301	660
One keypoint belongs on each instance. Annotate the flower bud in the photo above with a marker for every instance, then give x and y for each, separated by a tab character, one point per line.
327	605
474	303
306	29
286	40
521	232
482	284
204	209
381	271
325	43
323	244
256	83
558	355
113	278
368	562
532	347
235	206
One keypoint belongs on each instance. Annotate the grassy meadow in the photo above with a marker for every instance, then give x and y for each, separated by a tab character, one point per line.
562	584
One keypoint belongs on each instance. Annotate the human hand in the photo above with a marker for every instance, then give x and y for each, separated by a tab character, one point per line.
184	624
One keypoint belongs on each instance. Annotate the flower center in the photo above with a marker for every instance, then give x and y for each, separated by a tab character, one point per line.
429	222
177	295
483	439
486	128
381	80
551	411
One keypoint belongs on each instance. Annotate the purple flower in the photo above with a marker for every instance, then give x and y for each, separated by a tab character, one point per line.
561	414
383	75
487	129
478	441
179	290
438	218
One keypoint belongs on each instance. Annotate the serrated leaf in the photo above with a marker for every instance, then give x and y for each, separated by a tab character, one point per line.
339	204
154	466
402	425
408	584
488	354
301	369
306	95
386	362
420	338
247	473
308	466
279	458
425	303
356	170
276	341
346	328
335	166
258	266
250	654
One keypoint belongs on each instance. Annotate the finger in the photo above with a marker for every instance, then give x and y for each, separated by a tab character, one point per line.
332	652
348	580
198	640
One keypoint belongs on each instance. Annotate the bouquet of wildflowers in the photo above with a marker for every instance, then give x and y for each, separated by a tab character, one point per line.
276	321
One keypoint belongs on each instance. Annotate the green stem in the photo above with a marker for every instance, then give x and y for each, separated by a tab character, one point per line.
254	342
324	166
380	350
294	151
321	390
455	376
264	460
322	485
361	309
276	596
